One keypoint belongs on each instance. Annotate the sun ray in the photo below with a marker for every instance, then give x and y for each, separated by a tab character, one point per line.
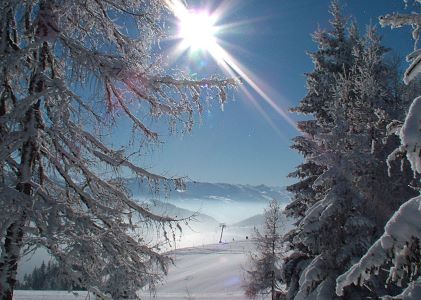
198	30
264	114
220	54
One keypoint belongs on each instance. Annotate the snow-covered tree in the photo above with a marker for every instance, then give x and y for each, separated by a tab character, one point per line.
396	254
348	195
262	277
46	277
332	54
60	178
331	57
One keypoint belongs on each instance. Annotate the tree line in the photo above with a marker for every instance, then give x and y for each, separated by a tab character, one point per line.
47	277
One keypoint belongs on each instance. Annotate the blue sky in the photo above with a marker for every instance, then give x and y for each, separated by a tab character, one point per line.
238	144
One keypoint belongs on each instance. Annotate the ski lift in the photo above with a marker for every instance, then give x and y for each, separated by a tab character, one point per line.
222	225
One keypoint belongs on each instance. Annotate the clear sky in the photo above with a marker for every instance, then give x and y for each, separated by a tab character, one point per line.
240	144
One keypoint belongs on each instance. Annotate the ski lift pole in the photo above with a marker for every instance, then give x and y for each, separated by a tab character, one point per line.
222	225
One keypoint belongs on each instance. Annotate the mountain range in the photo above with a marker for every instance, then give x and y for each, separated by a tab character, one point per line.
209	191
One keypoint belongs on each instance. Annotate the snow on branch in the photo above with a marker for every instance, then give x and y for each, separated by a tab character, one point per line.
399	20
402	232
414	20
411	135
400	242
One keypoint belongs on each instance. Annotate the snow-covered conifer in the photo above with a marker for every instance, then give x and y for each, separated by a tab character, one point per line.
396	255
60	179
262	277
330	59
356	197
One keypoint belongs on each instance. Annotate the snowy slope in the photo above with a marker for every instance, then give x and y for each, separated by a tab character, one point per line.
214	203
200	220
228	203
213	271
202	273
52	295
207	272
256	220
285	223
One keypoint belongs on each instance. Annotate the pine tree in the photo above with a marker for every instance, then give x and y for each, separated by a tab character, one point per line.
60	182
263	275
333	55
341	221
47	277
396	255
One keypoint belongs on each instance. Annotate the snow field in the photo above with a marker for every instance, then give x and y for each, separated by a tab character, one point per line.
52	295
207	272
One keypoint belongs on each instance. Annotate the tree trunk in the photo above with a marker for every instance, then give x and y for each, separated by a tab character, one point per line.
273	286
9	263
13	242
273	255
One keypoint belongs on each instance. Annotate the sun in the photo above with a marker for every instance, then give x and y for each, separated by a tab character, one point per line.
197	30
203	30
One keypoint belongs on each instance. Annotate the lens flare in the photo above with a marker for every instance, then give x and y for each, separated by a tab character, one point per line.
198	30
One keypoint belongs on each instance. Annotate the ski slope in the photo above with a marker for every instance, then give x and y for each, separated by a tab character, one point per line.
52	295
206	272
201	271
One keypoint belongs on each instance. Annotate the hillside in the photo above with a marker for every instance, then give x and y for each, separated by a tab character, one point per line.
208	272
210	208
228	203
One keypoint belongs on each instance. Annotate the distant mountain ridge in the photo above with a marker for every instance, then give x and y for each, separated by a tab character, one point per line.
285	223
167	209
213	191
256	220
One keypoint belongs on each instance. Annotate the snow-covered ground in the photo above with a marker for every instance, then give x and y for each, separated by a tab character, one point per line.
206	272
52	295
211	204
203	268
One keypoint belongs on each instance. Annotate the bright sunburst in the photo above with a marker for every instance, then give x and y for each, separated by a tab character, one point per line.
197	30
